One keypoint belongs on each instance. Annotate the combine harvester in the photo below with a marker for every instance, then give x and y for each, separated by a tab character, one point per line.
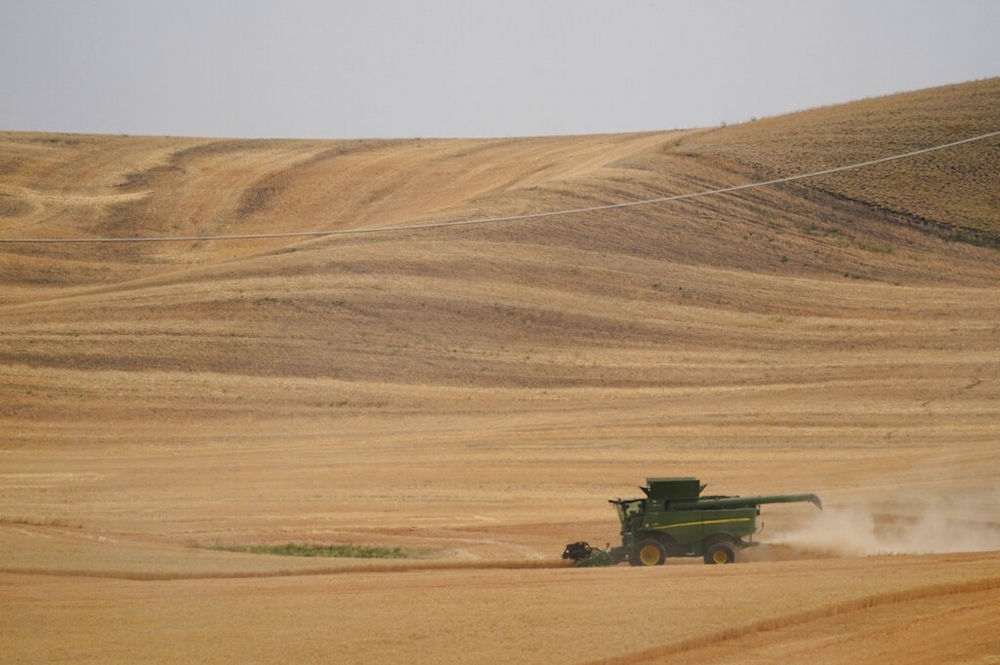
674	520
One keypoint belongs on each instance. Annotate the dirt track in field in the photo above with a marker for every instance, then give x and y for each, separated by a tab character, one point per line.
475	393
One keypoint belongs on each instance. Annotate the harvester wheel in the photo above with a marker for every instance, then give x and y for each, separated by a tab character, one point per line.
649	552
720	553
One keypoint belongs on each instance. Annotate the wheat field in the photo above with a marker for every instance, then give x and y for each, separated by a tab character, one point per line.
473	393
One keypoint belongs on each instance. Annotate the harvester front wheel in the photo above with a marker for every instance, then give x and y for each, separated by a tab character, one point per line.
720	553
649	552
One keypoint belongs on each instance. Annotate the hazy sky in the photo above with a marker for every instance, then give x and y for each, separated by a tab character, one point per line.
392	68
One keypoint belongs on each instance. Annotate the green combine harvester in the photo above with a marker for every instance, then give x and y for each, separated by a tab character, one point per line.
674	520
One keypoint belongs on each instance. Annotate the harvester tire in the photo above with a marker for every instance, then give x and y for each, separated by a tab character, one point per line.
649	552
720	553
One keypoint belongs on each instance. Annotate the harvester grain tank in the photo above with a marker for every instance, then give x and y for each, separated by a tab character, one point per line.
674	520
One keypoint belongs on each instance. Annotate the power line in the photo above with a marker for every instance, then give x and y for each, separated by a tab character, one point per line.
510	218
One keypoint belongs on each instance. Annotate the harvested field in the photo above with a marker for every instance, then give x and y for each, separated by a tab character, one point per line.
471	395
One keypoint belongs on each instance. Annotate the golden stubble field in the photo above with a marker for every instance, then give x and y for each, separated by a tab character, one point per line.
475	393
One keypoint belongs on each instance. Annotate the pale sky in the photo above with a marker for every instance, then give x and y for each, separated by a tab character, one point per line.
452	68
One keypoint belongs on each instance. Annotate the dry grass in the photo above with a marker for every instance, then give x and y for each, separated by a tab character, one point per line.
957	189
475	393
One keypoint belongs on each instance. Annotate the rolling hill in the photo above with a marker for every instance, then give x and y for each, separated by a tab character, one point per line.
463	347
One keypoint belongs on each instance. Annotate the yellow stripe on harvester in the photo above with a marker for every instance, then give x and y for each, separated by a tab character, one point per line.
700	522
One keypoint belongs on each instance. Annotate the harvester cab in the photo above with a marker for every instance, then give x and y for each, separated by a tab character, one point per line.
674	520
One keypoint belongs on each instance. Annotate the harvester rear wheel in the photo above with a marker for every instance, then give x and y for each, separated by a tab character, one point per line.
649	552
720	553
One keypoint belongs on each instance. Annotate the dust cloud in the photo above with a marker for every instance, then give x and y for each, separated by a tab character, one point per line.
923	526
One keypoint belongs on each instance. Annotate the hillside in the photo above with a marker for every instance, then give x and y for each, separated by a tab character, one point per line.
953	192
476	391
452	299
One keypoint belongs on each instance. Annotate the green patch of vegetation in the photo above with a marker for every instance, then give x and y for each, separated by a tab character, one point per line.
346	551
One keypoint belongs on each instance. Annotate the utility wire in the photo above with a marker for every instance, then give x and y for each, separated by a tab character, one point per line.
510	218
